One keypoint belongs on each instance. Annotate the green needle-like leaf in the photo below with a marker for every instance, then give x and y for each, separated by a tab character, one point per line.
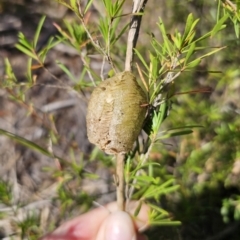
142	59
190	52
219	26
88	5
188	26
37	33
26	51
66	70
26	142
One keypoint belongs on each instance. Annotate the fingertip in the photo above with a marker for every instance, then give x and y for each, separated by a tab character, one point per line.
119	225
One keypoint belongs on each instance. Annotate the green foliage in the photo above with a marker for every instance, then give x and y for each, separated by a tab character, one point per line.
231	206
71	201
231	10
113	8
26	143
172	60
11	78
74	35
5	193
173	56
159	217
29	47
29	227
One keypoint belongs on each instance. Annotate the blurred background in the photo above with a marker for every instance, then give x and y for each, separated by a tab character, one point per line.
206	164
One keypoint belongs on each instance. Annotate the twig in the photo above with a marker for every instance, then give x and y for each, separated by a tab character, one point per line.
120	181
232	5
94	43
138	9
168	79
87	68
102	68
53	106
32	111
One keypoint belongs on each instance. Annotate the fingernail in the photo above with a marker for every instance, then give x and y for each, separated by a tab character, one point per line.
120	226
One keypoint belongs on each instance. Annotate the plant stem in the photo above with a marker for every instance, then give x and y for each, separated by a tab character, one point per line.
138	9
120	181
95	43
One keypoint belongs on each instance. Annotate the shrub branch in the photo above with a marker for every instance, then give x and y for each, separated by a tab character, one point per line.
137	11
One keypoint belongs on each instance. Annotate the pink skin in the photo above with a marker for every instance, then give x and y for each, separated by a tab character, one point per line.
104	223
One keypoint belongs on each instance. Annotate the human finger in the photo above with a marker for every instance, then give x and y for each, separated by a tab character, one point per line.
117	226
87	226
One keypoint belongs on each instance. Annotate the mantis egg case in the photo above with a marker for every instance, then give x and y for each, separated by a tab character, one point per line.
115	115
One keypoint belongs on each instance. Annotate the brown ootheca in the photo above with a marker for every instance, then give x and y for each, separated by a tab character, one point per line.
116	113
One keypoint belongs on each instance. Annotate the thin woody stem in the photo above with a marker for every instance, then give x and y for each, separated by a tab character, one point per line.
138	9
120	181
95	43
